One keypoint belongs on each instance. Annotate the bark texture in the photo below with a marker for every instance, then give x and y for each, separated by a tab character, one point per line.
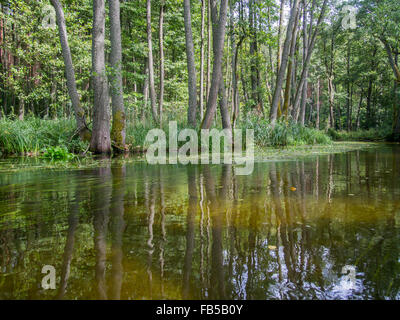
117	95
100	141
190	64
218	48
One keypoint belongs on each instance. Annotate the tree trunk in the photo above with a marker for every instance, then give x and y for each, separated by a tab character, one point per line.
235	83
70	73
218	48
100	141
310	47
152	89
331	91
203	6
21	111
279	51
359	109
305	53
145	90
208	47
117	95
161	46
284	62
348	114
289	71
192	78
253	55
318	105
369	98
223	104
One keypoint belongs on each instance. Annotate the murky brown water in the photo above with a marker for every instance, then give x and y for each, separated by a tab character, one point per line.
137	231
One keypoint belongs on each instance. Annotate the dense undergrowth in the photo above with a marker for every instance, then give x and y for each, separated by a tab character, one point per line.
35	136
361	135
284	134
38	136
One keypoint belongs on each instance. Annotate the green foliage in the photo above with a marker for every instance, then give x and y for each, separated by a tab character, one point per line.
58	138
34	135
283	134
136	134
58	153
361	135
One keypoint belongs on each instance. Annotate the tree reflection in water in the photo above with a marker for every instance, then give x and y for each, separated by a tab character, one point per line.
136	231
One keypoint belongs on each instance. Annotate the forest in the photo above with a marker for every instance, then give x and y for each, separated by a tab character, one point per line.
97	75
85	216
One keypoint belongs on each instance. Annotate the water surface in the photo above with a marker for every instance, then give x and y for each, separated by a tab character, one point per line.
138	231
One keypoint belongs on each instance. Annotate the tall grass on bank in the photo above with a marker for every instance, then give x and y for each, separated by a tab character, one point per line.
35	135
284	134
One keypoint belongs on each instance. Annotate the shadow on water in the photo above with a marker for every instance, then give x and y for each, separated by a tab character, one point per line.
136	231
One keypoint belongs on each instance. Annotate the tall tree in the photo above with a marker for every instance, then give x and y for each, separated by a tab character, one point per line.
70	73
152	89
117	95
218	48
305	52
289	79
203	7
100	141
192	78
284	62
307	56
162	71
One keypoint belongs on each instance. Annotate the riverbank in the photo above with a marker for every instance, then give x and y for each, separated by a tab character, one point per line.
57	140
288	153
34	136
18	163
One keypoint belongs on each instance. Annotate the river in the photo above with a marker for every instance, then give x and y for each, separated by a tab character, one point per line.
320	227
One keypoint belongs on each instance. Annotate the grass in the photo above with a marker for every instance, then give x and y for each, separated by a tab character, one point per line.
284	134
35	136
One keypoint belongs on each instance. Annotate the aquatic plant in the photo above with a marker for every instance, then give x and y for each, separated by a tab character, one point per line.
58	153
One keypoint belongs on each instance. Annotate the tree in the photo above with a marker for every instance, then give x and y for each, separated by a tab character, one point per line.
282	68
382	20
70	73
219	22
100	141
152	89
201	102
192	78
117	95
162	71
309	47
